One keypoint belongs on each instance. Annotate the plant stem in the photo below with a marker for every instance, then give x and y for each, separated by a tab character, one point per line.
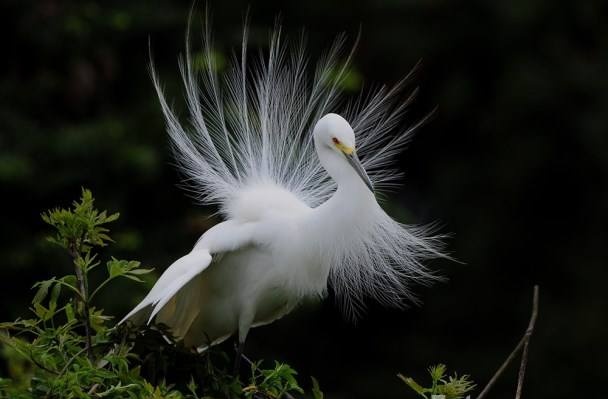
523	343
93	389
82	284
65	368
100	286
528	335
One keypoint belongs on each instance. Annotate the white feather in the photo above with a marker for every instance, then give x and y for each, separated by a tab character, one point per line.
298	216
174	278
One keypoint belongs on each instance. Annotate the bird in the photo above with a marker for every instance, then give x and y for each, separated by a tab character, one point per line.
295	173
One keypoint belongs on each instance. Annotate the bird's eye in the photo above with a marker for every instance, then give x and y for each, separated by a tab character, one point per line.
335	140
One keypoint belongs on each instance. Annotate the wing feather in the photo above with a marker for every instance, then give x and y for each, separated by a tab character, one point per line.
192	264
172	280
222	238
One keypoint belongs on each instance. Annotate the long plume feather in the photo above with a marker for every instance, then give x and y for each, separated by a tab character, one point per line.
254	122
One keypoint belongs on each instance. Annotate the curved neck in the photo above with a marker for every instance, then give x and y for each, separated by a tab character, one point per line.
350	199
345	206
331	224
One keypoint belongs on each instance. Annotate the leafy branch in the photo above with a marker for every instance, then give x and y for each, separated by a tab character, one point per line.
272	383
79	231
452	387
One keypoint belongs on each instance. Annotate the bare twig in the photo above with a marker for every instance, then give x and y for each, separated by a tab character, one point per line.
523	343
524	355
93	389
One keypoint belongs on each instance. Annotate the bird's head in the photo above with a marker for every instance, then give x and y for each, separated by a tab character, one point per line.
335	143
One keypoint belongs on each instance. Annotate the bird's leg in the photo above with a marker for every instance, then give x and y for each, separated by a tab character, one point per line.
239	353
245	320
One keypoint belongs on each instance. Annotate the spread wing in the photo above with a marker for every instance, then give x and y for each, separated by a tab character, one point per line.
221	238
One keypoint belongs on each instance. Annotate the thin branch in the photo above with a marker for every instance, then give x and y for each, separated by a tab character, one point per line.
69	287
93	389
524	355
40	365
523	343
100	286
29	356
65	368
82	284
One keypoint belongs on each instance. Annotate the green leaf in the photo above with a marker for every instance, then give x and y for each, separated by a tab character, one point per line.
437	372
192	387
69	313
454	388
70	280
316	390
115	267
134	278
54	297
98	319
414	385
141	271
41	311
112	218
43	290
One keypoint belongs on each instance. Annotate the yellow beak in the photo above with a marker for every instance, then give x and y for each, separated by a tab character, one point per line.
345	149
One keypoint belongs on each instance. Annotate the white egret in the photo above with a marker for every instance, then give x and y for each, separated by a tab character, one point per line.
295	220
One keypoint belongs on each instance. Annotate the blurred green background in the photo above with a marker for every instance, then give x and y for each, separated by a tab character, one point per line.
514	163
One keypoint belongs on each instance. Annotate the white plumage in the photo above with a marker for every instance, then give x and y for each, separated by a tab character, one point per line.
299	209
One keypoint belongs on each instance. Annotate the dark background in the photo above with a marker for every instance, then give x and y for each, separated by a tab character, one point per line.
514	164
